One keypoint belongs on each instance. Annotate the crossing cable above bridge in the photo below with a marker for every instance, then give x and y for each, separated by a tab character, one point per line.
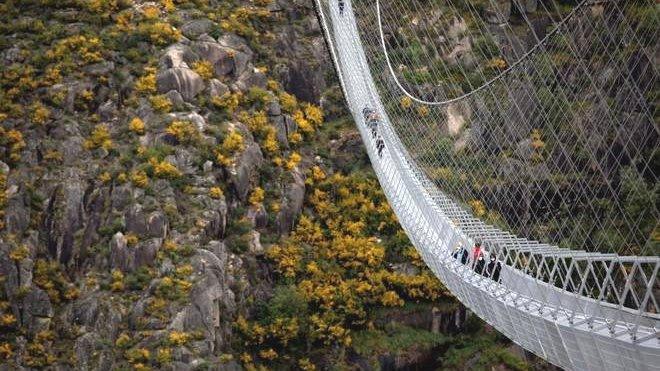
488	83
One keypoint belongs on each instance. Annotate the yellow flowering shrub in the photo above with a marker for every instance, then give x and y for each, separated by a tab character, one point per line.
423	111
160	103
117	283
295	138
100	138
164	169
6	351
178	338
131	239
39	114
288	102
105	177
256	122
478	208
140	178
159	33
405	102
314	115
227	102
150	12
215	192
147	82
303	124
391	299
12	139
136	125
203	68
293	161
270	143
184	131
257	196
86	49
231	144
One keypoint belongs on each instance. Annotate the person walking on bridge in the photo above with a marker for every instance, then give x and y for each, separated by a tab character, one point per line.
372	122
493	268
380	144
461	253
476	253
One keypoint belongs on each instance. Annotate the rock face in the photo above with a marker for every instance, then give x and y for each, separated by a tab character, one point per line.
65	216
458	115
211	299
498	11
197	27
183	80
37	311
292	203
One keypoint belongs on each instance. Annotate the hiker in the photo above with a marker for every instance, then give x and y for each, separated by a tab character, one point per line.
462	254
476	253
493	269
366	112
380	144
480	266
341	7
373	125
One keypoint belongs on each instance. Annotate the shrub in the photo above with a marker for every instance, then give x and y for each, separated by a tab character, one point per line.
257	196
288	102
230	145
270	144
117	282
40	114
184	132
164	356
19	253
314	114
303	124
100	138
147	83
227	102
216	192
160	103
204	69
178	338
136	125
164	169
405	102
139	178
159	33
293	161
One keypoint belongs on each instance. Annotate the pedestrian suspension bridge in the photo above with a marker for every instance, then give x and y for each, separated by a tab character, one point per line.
530	126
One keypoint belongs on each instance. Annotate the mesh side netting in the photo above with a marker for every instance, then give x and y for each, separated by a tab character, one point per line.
541	116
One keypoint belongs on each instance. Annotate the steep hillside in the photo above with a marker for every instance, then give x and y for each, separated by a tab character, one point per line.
182	190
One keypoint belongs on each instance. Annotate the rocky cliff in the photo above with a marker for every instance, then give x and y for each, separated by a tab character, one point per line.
176	177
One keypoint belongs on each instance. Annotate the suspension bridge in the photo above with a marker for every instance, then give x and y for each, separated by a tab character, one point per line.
531	129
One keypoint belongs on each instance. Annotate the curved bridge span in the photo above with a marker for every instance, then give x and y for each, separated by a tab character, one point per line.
556	302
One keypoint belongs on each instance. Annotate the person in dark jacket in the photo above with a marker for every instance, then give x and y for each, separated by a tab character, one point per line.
380	144
366	112
462	253
493	269
341	7
480	266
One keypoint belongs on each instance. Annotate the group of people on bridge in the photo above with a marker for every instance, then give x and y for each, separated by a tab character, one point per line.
372	119
476	261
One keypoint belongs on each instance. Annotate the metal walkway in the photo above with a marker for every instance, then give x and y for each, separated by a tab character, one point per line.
554	302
